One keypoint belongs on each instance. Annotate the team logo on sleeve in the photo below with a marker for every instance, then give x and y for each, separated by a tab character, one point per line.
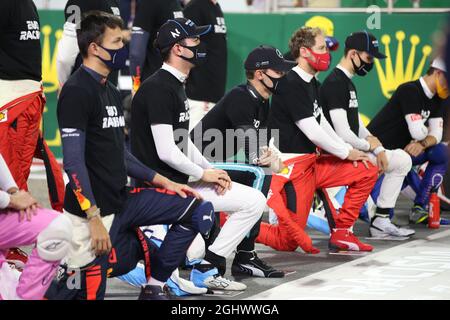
69	132
113	120
82	200
32	33
353	102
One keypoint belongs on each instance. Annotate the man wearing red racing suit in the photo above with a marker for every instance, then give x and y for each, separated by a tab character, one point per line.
22	99
297	114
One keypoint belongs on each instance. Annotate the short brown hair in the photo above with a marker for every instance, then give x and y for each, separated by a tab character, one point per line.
303	37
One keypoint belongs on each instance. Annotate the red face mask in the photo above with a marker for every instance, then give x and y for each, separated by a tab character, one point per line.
322	60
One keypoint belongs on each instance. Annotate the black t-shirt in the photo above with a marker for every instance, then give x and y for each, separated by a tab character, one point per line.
339	92
161	99
96	109
207	82
297	100
108	6
150	16
20	47
390	126
241	108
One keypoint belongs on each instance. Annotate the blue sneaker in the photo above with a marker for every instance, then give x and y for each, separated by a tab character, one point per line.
212	280
418	215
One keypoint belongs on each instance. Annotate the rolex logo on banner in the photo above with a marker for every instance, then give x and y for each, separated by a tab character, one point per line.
399	68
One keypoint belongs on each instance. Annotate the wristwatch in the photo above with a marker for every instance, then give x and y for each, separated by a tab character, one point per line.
94	214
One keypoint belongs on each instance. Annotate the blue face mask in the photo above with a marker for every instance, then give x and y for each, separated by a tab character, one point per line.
118	58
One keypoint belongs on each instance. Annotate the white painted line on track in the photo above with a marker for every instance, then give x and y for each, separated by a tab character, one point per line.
414	270
439	235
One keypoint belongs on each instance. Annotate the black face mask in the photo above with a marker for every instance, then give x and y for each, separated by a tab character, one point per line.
275	82
199	52
364	68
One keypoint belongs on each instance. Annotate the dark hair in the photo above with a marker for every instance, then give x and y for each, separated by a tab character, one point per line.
92	29
250	74
165	52
346	51
303	37
430	71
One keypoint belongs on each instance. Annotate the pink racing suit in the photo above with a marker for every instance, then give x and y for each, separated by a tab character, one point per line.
37	274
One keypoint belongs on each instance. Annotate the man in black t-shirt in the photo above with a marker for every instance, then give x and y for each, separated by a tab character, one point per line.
145	59
20	48
20	79
106	214
22	98
412	120
244	111
160	138
340	102
68	58
296	112
206	83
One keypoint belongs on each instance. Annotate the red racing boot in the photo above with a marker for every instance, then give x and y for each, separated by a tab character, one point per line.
344	239
17	257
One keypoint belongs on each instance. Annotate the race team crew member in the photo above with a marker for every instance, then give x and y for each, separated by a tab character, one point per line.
159	126
340	102
206	83
68	58
144	56
22	98
24	223
296	112
105	213
413	120
245	111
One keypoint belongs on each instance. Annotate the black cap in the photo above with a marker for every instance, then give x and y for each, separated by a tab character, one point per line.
268	57
364	41
175	30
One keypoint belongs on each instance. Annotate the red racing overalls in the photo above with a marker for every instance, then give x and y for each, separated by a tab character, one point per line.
21	140
309	173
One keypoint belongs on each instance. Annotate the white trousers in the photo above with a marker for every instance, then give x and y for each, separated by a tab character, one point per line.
399	164
245	206
197	110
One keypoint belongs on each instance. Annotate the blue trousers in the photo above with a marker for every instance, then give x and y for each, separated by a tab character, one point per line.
144	206
437	157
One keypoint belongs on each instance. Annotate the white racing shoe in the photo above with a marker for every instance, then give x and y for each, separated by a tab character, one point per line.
383	227
212	280
9	279
181	287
